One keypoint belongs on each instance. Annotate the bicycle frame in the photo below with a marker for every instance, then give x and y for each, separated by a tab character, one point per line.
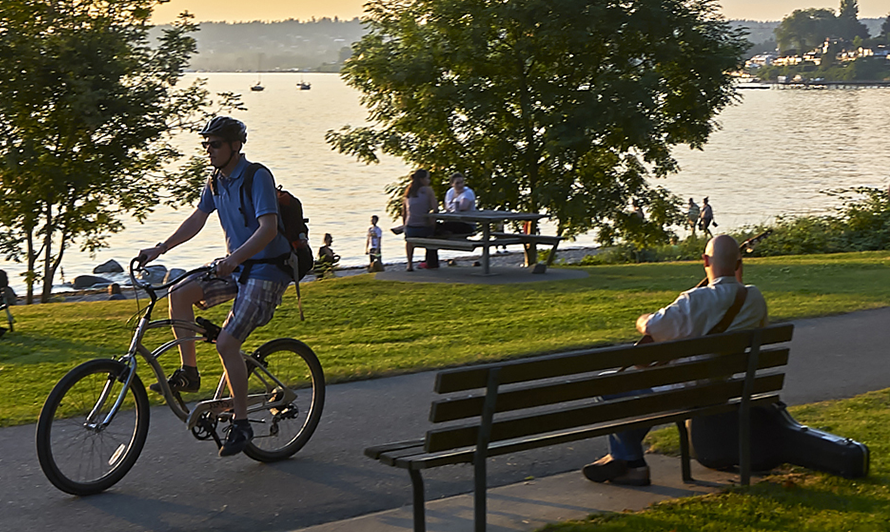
219	404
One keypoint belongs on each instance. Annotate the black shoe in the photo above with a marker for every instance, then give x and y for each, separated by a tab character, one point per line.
237	439
179	382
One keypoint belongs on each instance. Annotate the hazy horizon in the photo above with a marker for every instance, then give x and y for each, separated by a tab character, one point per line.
277	10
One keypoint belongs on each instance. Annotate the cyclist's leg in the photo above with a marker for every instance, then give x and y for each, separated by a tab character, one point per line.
229	349
181	301
254	306
200	292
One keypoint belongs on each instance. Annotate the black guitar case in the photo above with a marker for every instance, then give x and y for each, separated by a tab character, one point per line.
776	438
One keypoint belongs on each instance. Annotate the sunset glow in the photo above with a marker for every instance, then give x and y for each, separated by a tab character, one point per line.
271	10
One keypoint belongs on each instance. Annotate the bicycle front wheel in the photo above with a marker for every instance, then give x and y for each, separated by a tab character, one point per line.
78	453
285	429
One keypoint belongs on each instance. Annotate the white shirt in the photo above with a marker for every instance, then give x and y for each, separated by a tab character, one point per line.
374	236
453	200
697	311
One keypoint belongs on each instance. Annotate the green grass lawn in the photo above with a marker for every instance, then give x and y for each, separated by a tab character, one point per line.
362	328
790	499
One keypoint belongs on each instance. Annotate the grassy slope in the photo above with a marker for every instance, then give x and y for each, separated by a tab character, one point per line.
362	328
792	498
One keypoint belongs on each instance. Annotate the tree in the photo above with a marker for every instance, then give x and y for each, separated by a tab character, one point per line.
805	29
87	115
562	107
848	25
885	26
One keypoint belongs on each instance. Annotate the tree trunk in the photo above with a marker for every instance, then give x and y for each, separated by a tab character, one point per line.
47	256
31	261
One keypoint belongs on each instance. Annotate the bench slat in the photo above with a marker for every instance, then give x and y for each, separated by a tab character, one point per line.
589	360
423	460
537	239
547	393
377	450
443	243
440	439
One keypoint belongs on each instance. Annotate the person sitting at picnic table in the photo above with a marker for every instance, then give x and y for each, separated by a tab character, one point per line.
417	204
327	259
695	312
458	198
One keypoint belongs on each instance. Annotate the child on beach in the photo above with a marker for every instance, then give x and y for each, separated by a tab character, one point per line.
373	243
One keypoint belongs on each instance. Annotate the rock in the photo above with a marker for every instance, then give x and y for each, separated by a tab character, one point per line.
89	281
154	273
173	274
111	266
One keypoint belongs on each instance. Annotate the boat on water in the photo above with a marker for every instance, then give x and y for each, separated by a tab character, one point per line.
259	84
304	85
753	85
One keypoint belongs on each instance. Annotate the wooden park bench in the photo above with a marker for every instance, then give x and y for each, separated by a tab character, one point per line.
495	409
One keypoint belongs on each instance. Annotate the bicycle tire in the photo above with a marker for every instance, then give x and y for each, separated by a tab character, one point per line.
80	460
285	432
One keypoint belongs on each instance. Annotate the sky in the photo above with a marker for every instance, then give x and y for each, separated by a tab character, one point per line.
271	10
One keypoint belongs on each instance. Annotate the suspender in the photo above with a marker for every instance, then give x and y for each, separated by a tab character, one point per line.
732	312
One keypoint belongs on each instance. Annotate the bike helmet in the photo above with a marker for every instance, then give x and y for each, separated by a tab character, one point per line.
227	128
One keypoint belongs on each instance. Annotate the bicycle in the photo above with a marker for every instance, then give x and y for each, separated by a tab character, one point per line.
94	423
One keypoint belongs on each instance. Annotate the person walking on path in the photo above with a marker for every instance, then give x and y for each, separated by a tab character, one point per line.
417	205
695	312
255	250
707	217
373	242
692	215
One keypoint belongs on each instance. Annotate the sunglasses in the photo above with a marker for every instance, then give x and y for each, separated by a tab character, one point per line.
215	144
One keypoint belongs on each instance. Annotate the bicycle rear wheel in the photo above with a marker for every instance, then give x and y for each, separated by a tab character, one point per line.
76	452
285	430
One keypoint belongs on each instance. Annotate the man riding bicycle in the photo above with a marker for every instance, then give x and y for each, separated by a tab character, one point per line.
252	237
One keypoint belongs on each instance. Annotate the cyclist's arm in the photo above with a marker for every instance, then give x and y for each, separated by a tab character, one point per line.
260	238
187	230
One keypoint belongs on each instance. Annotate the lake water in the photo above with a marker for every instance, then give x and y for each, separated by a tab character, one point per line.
777	150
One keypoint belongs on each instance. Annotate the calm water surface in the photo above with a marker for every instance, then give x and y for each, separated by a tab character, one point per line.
777	150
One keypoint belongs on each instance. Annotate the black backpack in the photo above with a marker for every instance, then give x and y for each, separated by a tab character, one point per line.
291	224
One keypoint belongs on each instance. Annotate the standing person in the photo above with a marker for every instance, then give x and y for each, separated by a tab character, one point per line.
458	198
693	215
419	201
256	251
707	217
695	312
373	242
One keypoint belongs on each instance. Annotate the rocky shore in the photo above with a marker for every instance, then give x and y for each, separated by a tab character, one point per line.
101	293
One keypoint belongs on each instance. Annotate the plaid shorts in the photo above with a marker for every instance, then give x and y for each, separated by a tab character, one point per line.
255	302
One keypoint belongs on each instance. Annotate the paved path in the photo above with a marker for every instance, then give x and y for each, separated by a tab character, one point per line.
179	483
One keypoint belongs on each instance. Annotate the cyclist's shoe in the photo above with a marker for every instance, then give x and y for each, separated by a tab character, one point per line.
237	439
180	381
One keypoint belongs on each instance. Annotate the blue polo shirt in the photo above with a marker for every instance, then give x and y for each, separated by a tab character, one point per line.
228	206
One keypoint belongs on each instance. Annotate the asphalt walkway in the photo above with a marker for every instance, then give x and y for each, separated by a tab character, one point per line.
180	484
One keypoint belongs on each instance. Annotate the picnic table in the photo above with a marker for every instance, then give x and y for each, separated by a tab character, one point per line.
489	238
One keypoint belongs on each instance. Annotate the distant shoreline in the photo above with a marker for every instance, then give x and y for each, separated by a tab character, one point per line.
509	259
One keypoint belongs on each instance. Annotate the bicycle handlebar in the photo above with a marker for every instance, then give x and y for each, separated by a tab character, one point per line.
137	264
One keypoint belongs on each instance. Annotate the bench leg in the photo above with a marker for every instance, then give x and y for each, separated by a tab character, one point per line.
419	501
552	256
684	452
